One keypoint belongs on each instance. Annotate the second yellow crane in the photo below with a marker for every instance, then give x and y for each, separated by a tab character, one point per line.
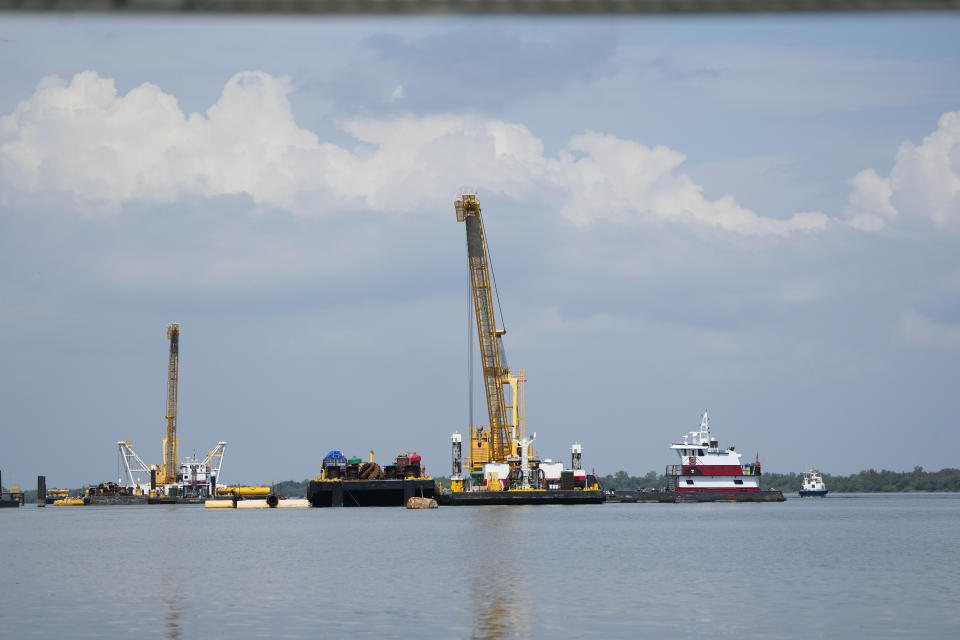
499	442
171	445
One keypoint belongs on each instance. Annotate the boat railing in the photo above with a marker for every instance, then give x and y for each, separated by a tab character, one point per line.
672	470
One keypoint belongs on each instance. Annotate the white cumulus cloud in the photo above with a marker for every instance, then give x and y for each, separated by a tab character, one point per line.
924	182
868	207
919	330
84	142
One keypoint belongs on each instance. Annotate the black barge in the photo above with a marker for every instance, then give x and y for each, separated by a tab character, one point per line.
368	493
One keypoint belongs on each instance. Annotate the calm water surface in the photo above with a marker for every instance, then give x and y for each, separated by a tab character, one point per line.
861	566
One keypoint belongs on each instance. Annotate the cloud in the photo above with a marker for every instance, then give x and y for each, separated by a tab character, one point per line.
803	292
516	64
924	182
916	329
84	142
926	179
868	207
951	283
552	319
619	179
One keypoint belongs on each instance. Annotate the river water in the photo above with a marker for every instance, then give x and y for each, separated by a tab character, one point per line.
847	566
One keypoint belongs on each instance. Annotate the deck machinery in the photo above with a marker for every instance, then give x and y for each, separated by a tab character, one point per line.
501	463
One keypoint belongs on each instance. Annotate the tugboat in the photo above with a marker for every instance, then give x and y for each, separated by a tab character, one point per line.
812	484
707	473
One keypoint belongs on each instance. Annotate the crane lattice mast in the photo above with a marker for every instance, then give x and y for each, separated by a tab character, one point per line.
132	464
495	371
168	468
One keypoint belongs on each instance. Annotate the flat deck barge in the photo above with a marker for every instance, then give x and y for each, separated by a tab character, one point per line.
548	496
368	493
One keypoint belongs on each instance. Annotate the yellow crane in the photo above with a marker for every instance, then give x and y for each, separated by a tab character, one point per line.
171	445
498	442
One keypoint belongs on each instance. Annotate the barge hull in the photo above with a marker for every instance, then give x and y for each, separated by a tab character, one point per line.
112	501
465	498
367	493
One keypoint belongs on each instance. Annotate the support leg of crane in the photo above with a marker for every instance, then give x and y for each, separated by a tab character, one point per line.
41	491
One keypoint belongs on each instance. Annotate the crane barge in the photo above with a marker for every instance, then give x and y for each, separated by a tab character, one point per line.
503	468
191	480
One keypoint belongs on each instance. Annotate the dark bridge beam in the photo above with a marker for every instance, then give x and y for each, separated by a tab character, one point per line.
477	6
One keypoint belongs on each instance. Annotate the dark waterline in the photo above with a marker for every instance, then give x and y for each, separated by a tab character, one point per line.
851	565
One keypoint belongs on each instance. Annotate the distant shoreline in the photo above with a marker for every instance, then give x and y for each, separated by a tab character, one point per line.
868	481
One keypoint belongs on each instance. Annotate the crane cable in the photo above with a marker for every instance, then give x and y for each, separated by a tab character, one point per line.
470	313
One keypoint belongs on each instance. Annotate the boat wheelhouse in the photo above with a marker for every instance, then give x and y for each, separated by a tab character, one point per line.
705	467
812	484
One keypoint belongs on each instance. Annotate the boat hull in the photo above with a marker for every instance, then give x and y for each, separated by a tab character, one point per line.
695	496
549	496
813	493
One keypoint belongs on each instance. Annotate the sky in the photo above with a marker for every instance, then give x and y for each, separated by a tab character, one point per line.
757	216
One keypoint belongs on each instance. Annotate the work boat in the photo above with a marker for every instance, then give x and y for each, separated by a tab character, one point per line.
812	484
706	468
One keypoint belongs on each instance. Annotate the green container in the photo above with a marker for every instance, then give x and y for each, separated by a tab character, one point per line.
172	492
354	460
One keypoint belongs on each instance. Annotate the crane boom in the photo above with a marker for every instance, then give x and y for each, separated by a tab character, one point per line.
168	468
498	445
214	459
132	463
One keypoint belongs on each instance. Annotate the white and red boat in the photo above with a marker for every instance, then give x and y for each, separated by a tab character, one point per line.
706	468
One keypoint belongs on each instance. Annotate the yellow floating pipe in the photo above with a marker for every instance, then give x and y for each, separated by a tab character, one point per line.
69	502
294	503
252	504
243	491
218	504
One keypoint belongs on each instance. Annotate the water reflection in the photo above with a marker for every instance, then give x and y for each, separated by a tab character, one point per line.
500	586
174	605
171	582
